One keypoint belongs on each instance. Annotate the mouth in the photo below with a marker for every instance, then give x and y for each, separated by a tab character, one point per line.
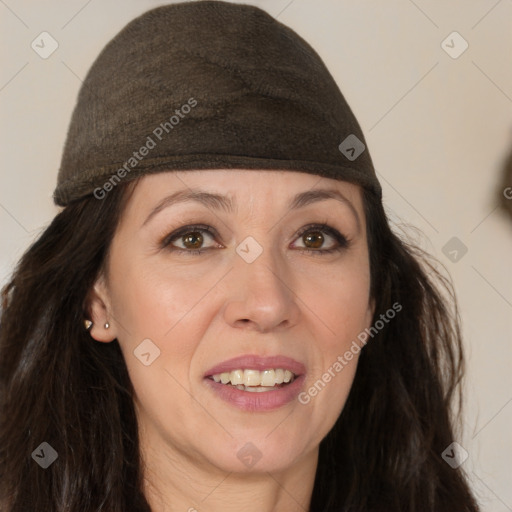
257	383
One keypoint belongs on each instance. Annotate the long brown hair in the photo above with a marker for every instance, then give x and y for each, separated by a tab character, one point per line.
59	386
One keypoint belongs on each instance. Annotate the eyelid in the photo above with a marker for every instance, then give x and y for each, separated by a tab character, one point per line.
187	229
343	241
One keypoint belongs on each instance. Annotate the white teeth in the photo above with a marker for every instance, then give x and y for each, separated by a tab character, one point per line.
268	377
237	377
254	380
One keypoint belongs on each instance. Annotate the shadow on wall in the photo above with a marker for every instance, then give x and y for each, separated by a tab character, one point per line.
505	188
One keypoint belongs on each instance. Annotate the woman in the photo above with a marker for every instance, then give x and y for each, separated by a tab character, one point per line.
220	317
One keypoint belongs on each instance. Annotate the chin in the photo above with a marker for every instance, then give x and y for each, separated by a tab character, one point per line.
255	454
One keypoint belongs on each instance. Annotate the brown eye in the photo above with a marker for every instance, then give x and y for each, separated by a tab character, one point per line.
314	236
189	239
192	240
313	239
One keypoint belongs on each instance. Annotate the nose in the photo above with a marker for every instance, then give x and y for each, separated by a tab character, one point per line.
262	294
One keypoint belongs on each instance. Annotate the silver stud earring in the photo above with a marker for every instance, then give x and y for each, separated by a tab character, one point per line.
87	324
107	325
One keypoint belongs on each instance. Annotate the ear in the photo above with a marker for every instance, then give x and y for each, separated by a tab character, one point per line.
99	307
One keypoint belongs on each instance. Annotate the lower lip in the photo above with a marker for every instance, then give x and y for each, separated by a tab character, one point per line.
254	401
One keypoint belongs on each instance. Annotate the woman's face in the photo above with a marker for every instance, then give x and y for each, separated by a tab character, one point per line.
237	271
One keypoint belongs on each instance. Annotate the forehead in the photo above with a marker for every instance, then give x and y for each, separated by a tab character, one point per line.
244	194
240	187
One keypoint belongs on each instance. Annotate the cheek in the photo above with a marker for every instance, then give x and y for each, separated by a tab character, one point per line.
340	313
156	301
341	305
154	309
150	303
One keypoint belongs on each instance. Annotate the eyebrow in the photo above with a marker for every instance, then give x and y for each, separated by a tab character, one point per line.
226	203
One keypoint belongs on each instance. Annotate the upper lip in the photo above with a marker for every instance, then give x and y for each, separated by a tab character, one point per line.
255	362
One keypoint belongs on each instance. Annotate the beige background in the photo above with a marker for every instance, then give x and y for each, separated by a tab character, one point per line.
438	129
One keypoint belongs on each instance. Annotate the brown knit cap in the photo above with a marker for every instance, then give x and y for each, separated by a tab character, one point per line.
208	85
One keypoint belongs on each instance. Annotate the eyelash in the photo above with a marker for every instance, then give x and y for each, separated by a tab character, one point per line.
343	242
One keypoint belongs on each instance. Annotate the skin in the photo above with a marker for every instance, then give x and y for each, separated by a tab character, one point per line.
200	310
